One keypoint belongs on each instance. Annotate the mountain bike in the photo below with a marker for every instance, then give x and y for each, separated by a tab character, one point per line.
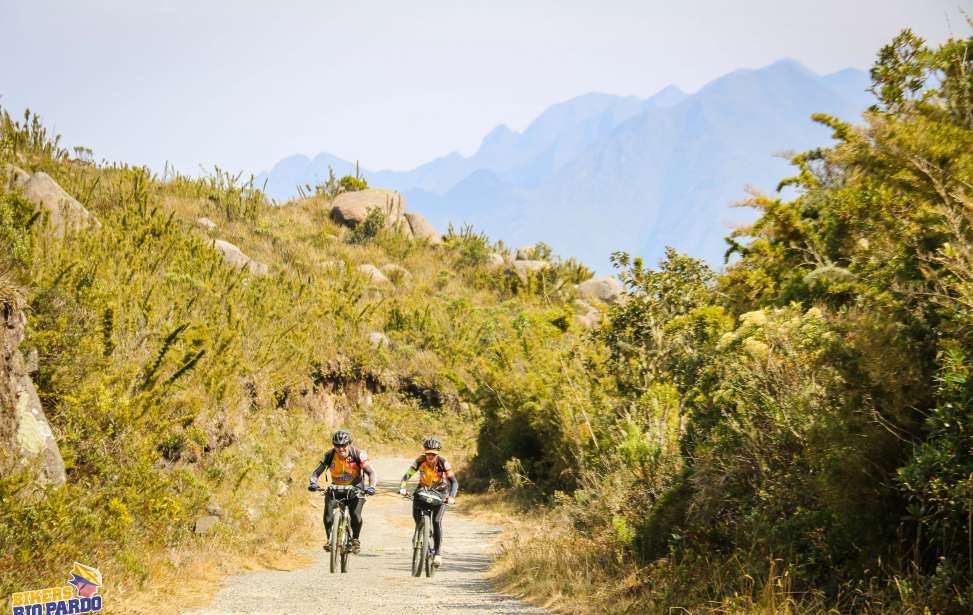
422	539
340	536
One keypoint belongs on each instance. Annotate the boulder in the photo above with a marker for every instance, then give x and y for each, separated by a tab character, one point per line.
422	229
524	253
378	339
26	440
589	316
607	290
495	261
393	271
65	213
236	258
372	272
13	178
351	208
206	223
205	524
523	268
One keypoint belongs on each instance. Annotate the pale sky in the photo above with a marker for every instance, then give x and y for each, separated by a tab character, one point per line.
393	84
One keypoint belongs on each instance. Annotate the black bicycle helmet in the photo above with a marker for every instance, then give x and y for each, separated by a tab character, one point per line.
341	438
432	444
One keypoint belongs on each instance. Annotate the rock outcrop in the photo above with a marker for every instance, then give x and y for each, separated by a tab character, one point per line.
524	268
607	290
235	257
26	440
206	223
351	208
422	229
64	212
373	273
13	178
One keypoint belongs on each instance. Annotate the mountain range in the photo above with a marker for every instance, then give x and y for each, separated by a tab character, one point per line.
601	173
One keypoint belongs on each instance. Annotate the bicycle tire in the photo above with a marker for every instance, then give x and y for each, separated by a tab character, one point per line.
417	552
427	544
346	549
333	539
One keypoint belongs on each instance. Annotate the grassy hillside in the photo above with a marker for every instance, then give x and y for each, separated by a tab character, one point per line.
176	383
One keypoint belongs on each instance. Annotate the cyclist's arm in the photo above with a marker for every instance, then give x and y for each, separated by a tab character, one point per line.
409	474
450	476
317	472
372	475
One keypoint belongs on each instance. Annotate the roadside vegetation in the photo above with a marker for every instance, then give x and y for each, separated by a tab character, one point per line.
790	435
794	434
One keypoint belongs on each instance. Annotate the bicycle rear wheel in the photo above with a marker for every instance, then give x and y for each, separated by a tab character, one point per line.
336	524
427	544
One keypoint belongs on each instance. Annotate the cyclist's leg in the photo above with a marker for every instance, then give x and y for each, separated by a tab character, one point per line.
328	513
437	526
354	509
416	513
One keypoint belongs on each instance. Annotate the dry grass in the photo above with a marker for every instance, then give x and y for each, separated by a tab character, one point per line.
544	560
190	577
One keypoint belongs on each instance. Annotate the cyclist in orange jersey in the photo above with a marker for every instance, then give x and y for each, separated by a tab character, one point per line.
347	465
437	474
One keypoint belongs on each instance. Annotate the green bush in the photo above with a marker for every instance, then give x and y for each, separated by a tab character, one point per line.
369	228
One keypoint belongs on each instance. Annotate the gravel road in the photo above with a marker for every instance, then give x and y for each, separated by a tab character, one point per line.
379	579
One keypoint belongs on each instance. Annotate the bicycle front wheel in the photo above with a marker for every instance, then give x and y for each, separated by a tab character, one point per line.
336	525
417	551
427	544
345	546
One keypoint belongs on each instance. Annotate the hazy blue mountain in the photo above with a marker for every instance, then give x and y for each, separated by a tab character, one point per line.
669	176
550	141
600	173
488	203
281	182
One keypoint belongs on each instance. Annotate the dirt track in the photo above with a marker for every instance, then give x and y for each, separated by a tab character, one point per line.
379	580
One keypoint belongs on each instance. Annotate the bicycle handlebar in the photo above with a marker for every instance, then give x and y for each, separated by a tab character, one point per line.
410	496
340	488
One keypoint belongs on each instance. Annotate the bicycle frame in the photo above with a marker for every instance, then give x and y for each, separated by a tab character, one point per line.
422	543
340	537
